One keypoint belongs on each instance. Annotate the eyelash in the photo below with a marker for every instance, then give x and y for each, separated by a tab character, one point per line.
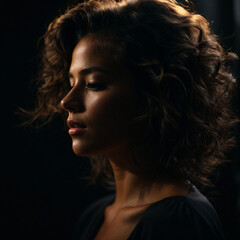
95	86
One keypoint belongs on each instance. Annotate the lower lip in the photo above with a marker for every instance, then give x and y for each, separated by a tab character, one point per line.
76	131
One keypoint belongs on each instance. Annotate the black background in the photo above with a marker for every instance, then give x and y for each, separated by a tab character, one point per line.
43	192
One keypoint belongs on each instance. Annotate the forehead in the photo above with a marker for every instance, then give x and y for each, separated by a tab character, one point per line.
90	52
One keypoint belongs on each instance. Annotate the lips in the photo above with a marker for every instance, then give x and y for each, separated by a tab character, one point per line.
75	127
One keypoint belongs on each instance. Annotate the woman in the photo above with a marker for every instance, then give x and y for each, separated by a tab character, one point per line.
149	103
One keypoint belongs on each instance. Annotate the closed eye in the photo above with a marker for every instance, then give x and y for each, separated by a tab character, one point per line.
96	86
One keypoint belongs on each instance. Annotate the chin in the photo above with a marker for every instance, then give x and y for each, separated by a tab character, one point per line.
83	150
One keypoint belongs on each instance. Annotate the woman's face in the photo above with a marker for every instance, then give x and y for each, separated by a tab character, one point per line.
100	104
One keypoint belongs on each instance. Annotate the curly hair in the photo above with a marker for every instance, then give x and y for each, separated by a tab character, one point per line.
184	84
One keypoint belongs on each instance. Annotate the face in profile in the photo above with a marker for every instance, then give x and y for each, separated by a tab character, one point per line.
100	103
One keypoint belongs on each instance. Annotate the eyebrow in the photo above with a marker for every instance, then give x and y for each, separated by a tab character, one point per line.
89	70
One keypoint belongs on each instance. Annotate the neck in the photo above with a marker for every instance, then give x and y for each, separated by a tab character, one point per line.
130	188
133	190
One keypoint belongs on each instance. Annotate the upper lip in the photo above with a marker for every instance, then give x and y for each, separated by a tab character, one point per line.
74	124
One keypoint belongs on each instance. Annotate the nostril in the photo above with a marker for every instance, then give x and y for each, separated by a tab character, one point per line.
63	104
67	104
71	104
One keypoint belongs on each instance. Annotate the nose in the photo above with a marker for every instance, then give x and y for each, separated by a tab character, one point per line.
73	102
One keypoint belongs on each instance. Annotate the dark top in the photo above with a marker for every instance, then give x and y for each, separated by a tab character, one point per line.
173	218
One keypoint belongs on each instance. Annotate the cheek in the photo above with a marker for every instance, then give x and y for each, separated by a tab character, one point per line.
109	116
110	110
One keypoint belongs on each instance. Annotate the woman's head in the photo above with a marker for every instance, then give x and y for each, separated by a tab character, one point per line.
101	102
180	84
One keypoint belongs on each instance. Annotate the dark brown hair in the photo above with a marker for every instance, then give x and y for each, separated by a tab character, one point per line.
183	82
